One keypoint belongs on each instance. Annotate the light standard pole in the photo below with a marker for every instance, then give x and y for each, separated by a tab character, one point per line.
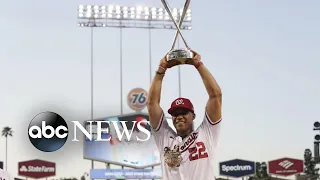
316	127
116	16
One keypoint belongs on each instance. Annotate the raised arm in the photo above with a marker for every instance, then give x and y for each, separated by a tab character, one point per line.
154	94
214	103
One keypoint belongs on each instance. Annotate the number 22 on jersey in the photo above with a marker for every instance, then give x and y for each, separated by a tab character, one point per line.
198	152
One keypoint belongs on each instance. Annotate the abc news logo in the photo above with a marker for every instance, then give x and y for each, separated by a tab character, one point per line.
48	131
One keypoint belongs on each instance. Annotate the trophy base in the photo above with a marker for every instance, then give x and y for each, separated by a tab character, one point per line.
181	55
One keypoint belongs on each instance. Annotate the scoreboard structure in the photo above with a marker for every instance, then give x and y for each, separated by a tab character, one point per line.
134	154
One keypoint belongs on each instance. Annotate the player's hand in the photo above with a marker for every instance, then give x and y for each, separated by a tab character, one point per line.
196	58
168	64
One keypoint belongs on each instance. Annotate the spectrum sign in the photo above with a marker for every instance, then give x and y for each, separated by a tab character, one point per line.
237	168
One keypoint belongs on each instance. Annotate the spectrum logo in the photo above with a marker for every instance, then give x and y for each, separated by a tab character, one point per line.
48	131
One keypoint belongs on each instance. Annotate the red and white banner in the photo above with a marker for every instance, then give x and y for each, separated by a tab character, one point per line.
36	169
285	166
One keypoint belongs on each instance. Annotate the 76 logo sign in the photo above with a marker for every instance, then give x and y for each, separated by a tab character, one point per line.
137	99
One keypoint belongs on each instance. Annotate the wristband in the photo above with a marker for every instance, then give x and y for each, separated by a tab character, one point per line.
163	66
198	64
160	73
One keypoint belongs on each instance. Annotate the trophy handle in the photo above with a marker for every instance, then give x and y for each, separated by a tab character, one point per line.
175	23
184	12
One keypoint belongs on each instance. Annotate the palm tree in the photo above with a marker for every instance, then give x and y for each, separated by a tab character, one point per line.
264	170
261	171
7	131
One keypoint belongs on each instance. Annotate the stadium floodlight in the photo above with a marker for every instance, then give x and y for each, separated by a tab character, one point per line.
130	17
316	127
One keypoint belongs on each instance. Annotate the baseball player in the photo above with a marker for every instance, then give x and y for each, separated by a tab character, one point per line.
188	153
4	175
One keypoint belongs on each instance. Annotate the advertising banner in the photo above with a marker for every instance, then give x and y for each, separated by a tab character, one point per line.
285	166
237	168
137	99
36	169
125	174
129	153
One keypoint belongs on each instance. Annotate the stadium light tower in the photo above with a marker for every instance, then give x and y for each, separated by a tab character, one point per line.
116	16
316	127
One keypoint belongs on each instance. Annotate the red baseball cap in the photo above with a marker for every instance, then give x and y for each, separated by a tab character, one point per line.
181	103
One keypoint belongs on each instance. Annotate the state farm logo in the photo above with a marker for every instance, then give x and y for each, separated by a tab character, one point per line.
36	169
23	169
286	164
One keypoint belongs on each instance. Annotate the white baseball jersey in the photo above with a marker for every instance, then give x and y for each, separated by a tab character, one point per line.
4	175
198	150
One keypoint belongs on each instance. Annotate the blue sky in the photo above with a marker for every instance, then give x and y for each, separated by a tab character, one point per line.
264	54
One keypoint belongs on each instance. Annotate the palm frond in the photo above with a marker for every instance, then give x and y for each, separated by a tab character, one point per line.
7	131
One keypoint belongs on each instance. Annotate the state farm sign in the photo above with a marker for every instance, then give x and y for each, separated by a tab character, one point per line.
36	169
285	166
